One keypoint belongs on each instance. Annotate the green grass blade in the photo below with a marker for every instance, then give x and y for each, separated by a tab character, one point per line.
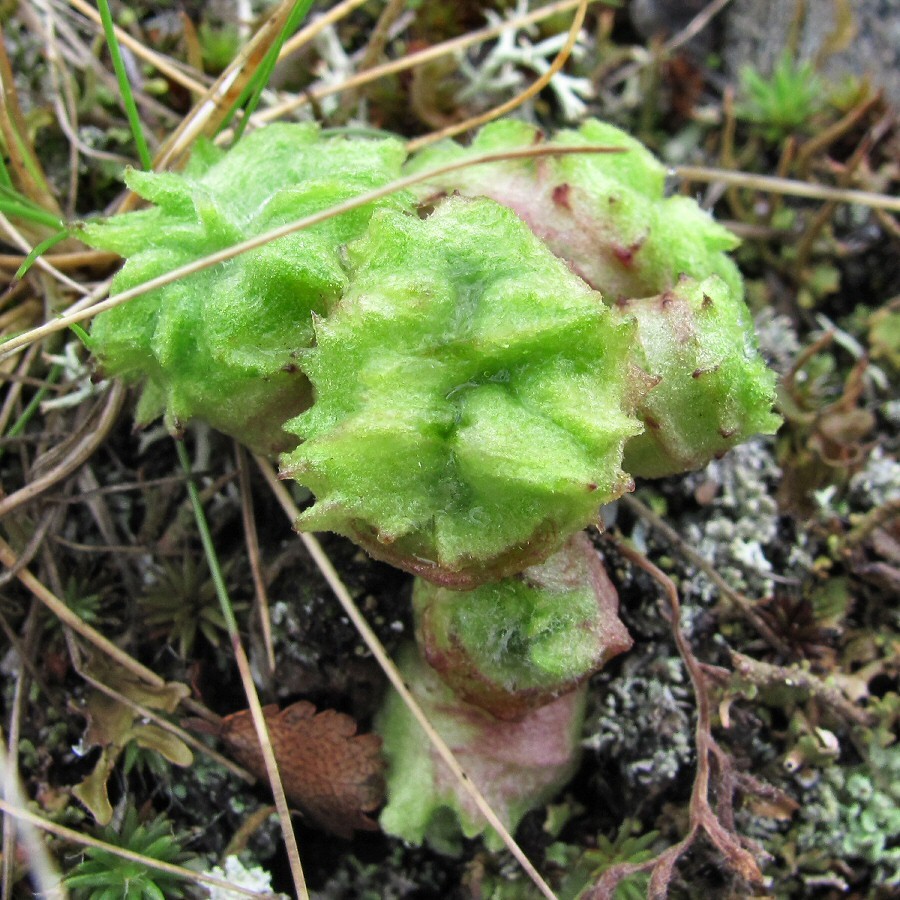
19	425
15	204
253	91
209	549
131	110
40	249
5	180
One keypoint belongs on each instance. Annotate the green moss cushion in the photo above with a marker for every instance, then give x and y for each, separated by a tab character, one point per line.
222	345
471	402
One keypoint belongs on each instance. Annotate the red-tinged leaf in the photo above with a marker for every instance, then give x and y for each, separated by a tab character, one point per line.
334	775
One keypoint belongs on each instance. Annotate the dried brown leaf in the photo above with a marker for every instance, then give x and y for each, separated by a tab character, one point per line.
334	775
112	724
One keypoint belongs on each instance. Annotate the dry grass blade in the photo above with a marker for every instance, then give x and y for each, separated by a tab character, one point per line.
259	585
558	62
390	670
15	390
308	32
76	260
268	753
216	102
411	60
87	312
246	675
43	869
10	755
22	242
695	26
76	456
789	187
83	840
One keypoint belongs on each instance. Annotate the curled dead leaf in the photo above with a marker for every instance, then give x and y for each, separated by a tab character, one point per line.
334	775
112	725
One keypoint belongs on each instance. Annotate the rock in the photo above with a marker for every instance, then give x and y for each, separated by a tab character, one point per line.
757	32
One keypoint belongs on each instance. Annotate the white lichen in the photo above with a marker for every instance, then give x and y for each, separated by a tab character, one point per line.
503	71
778	341
643	722
878	483
235	872
742	521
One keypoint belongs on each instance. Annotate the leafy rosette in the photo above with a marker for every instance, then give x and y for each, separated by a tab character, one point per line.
221	345
471	398
607	215
516	765
517	644
712	389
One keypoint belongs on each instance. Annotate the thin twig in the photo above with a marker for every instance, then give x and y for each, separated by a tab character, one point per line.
766	675
691	30
874	518
695	26
744	604
788	186
702	816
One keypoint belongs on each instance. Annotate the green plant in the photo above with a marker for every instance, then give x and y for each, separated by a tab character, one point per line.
584	867
514	645
783	103
487	372
102	875
223	344
181	603
499	669
219	44
471	398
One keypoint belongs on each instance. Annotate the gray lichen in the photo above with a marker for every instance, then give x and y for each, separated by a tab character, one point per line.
642	721
741	524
